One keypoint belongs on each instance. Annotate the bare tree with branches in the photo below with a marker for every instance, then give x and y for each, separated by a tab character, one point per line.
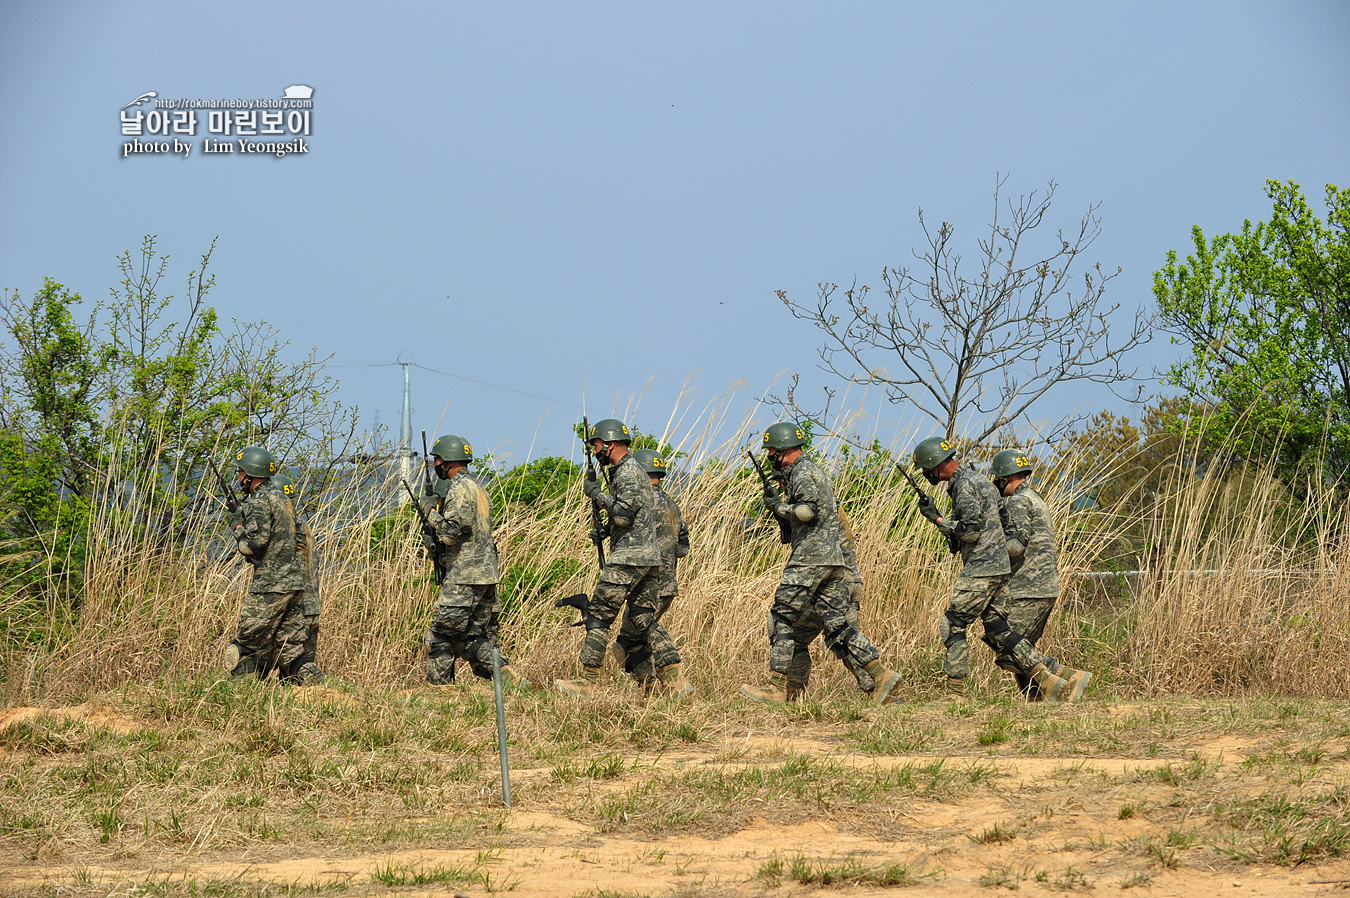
982	345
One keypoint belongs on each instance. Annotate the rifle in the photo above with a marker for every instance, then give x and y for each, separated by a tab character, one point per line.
784	532
430	531
597	523
232	503
953	543
426	466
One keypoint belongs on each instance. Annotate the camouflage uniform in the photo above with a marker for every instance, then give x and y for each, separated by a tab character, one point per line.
672	538
464	618
1034	584
631	579
975	529
813	594
272	627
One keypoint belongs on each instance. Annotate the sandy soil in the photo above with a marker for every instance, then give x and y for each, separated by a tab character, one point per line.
548	855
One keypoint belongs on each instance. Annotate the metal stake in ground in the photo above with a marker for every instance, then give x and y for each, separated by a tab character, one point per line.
501	724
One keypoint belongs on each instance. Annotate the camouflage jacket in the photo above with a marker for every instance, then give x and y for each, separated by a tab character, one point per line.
464	529
672	537
816	541
977	522
633	516
309	557
1035	573
267	541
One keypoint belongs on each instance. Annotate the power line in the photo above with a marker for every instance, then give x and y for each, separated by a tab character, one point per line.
471	380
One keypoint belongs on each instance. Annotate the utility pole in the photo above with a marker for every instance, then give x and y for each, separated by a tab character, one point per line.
405	435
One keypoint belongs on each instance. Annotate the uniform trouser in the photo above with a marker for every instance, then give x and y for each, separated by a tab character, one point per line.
1028	616
633	590
272	631
463	625
811	599
660	649
799	675
311	652
985	599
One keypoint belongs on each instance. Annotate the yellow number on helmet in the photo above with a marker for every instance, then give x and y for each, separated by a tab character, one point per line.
468	450
800	435
946	445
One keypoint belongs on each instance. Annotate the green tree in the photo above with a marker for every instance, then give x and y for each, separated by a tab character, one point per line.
1266	316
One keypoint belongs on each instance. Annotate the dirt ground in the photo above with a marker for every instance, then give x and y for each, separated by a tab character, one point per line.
1038	823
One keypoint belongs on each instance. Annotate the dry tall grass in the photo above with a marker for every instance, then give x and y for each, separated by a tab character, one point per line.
1226	606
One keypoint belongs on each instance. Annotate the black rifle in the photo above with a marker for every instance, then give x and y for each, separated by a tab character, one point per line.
953	543
427	466
430	531
597	522
232	503
771	491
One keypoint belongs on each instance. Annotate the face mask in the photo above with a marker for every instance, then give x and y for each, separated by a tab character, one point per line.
931	477
442	470
776	461
1001	484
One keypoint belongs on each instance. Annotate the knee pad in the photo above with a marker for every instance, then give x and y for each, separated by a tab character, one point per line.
953	631
842	637
639	656
1000	636
592	622
440	649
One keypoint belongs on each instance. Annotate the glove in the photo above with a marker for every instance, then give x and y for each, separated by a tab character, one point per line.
591	488
432	547
597	536
1015	548
928	508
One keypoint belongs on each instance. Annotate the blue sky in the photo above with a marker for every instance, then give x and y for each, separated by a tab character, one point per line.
565	197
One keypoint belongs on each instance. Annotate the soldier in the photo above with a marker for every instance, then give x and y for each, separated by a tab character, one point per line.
672	537
813	594
307	672
272	627
464	618
1034	585
975	531
630	580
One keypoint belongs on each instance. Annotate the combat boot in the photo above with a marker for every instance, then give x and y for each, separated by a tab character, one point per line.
511	681
956	687
587	684
1053	688
775	694
1077	681
673	681
618	653
883	681
795	690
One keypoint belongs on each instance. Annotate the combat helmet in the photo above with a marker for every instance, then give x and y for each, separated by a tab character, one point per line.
784	435
452	448
1010	462
652	462
256	462
932	452
611	430
284	483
